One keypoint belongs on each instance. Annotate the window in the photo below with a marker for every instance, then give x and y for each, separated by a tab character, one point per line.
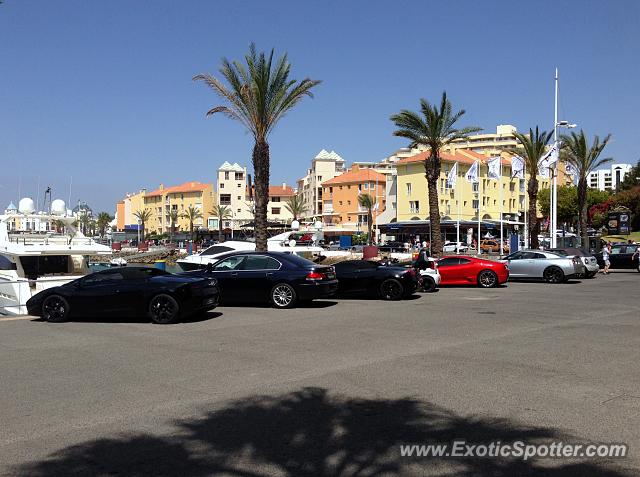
239	176
260	262
222	185
225	199
275	199
239	197
409	189
231	263
464	261
239	185
414	206
475	187
6	264
239	210
347	266
348	202
448	262
226	175
216	249
366	186
330	190
319	178
275	210
99	278
340	202
474	204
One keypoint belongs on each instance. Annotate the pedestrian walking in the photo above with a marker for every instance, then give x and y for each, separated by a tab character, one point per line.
606	252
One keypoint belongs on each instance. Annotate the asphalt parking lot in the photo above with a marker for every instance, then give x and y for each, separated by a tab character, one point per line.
331	389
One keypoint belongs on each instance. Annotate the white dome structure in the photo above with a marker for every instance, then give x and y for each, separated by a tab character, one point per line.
26	206
58	207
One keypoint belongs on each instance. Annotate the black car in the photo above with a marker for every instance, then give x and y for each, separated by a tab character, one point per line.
283	279
373	278
621	257
127	291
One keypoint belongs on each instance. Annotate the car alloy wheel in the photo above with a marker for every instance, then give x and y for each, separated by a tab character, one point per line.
391	289
283	295
553	275
428	284
55	309
164	309
487	279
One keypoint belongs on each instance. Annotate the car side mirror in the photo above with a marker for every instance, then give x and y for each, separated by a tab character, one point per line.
209	267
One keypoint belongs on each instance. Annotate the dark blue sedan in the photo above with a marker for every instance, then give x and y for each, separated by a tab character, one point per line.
281	279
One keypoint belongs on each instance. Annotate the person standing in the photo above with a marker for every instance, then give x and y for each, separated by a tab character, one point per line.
606	252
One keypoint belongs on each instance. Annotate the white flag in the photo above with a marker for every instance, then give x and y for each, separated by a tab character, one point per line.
570	170
543	169
452	177
550	157
495	169
472	173
517	167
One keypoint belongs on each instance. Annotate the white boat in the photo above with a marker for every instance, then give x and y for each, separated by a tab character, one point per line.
278	243
32	262
118	262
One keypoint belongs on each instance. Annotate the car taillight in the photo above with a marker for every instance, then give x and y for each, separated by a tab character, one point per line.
313	276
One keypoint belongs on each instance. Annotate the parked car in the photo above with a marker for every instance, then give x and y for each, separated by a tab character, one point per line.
621	257
282	279
590	262
490	245
451	247
539	264
373	278
429	278
464	270
127	291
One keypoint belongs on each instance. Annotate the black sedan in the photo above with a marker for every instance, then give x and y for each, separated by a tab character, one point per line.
622	256
127	291
372	278
283	279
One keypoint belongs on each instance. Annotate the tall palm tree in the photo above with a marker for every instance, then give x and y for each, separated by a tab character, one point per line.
433	130
192	214
584	159
173	218
221	212
532	148
143	217
59	225
368	202
258	95
296	206
103	222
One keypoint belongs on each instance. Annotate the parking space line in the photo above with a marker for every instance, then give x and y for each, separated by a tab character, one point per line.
17	318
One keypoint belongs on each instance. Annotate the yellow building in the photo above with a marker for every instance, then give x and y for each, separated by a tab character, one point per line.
466	199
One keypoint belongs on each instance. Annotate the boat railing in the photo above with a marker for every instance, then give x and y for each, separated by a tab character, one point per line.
24	240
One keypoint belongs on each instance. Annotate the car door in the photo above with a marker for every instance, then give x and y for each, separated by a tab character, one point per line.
518	263
226	271
466	271
367	275
347	273
537	263
96	294
257	276
447	269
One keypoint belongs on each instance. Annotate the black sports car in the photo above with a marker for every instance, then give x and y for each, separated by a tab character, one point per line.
373	278
127	291
623	255
280	278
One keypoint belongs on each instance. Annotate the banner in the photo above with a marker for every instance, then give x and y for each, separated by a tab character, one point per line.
570	170
495	168
517	167
452	177
472	173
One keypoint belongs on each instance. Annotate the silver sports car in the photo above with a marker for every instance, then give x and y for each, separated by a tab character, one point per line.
549	266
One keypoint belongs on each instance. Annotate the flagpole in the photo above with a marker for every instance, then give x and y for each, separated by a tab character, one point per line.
479	204
554	171
458	225
526	225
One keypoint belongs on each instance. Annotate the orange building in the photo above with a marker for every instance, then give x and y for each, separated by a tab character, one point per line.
340	197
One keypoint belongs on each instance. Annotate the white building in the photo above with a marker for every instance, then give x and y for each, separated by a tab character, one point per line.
234	191
326	165
608	179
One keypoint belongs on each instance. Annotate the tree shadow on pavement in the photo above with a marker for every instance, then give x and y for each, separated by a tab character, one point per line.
310	433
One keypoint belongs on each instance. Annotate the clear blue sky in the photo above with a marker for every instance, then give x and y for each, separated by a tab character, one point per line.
102	90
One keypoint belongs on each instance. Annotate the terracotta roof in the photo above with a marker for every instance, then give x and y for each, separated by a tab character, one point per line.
357	175
182	188
464	156
280	191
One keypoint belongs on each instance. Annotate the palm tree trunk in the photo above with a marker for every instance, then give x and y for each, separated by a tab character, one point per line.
219	229
191	230
582	217
434	216
370	226
261	172
534	225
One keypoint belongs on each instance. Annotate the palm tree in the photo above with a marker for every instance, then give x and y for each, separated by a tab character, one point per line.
83	223
143	217
296	206
221	212
532	148
584	159
103	222
368	202
192	214
59	225
258	95
434	130
173	218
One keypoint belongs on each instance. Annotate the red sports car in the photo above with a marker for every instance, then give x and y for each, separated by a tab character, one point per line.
464	270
